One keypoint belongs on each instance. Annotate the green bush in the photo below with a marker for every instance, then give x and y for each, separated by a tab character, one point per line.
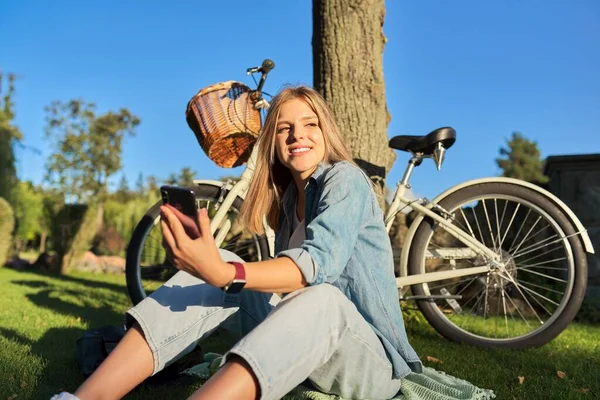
124	216
589	311
73	231
108	242
7	225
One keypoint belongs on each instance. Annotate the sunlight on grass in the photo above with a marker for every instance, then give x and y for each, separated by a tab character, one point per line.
43	315
495	327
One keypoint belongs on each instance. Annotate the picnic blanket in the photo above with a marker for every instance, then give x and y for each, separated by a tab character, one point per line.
428	385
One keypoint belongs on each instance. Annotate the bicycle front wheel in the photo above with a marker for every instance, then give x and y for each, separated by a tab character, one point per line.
146	265
528	301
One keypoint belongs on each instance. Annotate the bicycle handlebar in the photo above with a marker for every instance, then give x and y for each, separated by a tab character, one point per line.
266	67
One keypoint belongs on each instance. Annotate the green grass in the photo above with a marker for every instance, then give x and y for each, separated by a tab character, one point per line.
43	315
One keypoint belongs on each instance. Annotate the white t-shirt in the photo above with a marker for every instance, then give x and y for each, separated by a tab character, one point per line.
298	235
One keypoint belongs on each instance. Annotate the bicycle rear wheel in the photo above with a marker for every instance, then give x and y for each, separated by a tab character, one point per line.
146	266
526	303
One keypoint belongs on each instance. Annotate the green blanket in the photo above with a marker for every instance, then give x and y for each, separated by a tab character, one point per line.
428	385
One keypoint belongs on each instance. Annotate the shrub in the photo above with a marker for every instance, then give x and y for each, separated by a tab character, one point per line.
7	225
73	231
108	242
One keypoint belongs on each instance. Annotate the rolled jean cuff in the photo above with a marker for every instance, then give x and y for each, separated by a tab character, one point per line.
132	316
261	377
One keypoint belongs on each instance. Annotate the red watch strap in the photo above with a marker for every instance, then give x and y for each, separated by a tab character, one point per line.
240	271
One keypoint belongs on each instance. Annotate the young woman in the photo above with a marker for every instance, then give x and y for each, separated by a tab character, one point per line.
339	324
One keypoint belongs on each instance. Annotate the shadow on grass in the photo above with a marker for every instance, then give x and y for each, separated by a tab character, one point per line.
82	281
56	348
96	311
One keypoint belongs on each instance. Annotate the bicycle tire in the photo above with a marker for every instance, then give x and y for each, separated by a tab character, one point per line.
441	321
133	269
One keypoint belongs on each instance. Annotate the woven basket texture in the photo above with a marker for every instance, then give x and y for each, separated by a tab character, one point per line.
225	122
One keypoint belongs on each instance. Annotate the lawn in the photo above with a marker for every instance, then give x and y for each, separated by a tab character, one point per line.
43	315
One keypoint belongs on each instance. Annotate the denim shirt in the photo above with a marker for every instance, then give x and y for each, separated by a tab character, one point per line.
348	247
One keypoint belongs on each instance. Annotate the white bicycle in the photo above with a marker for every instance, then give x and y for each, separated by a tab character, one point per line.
493	262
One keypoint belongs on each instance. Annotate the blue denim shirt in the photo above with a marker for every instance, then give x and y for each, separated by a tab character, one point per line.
348	247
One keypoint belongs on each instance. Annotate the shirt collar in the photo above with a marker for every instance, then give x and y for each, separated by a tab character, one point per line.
288	200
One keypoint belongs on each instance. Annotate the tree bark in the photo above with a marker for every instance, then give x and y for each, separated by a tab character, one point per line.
348	44
43	239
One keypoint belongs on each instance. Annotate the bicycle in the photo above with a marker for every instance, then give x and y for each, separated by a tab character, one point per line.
469	260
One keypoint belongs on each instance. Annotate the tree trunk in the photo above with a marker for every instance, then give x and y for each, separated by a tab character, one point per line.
100	217
43	239
348	43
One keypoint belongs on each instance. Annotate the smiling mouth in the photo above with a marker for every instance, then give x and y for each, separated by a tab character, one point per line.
299	151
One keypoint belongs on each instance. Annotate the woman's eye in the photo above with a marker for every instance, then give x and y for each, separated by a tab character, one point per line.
312	124
283	129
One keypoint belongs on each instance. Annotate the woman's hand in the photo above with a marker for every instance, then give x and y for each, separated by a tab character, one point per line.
198	257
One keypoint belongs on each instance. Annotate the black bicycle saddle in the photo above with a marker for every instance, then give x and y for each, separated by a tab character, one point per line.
424	144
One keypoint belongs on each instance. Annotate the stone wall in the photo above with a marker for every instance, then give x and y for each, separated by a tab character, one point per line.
575	179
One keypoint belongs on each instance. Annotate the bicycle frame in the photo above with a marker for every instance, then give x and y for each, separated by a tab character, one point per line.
220	225
477	248
473	247
238	189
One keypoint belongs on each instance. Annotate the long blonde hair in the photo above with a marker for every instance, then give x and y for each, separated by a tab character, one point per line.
271	178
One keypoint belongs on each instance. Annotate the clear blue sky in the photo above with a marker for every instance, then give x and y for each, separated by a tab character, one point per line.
487	68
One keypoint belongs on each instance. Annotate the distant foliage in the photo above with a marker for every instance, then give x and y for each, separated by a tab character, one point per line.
53	202
9	135
87	147
7	225
73	232
589	311
108	242
29	211
186	177
123	217
522	160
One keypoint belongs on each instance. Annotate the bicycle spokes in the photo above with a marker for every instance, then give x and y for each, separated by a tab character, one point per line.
521	296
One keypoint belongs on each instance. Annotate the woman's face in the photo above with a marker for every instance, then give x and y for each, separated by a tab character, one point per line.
299	142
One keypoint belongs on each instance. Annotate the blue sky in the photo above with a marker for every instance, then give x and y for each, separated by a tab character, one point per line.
486	68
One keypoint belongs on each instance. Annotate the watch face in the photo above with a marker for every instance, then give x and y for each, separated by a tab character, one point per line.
236	287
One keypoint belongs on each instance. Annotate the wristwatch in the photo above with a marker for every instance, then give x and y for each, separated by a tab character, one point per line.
239	280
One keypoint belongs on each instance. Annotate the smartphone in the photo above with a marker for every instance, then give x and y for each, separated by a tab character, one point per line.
183	203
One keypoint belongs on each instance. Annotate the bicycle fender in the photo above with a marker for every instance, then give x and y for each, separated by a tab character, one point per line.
585	238
218	184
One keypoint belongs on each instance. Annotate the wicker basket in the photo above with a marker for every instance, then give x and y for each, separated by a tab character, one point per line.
225	122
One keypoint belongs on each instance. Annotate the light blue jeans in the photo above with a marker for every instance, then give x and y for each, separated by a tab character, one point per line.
315	333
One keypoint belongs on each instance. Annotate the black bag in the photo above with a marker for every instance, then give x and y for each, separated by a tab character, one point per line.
95	345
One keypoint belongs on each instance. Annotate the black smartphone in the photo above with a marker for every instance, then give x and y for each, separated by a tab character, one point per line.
183	200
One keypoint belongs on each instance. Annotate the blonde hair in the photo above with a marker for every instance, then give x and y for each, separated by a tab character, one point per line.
271	178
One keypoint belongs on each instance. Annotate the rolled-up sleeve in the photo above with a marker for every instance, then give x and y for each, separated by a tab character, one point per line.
332	234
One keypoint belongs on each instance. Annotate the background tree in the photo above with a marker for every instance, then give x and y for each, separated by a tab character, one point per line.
186	177
123	193
87	147
522	160
348	44
152	186
140	190
28	211
53	200
171	180
9	134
